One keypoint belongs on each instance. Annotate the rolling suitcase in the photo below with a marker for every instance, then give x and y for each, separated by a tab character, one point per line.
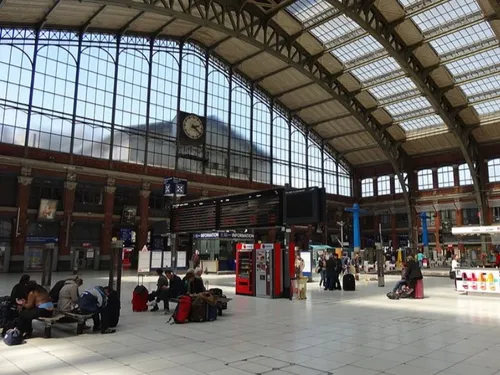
349	282
182	311
419	289
140	296
211	312
198	310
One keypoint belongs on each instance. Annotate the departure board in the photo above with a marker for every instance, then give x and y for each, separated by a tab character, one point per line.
255	210
193	217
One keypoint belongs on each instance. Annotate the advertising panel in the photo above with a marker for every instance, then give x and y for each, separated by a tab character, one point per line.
479	280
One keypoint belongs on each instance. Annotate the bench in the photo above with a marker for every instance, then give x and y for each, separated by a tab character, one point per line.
57	316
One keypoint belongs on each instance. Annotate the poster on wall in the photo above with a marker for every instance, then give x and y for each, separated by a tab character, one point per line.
128	215
144	261
47	209
478	280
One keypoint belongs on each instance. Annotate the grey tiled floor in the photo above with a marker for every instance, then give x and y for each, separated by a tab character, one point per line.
357	333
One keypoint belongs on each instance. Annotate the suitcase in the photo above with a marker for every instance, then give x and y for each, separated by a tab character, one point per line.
140	296
211	312
113	309
216	292
349	282
419	289
182	311
198	310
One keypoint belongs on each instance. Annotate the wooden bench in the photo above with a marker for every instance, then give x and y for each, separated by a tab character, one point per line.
57	316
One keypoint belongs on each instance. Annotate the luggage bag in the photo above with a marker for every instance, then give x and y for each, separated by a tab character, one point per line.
198	310
419	289
349	282
182	311
210	312
140	296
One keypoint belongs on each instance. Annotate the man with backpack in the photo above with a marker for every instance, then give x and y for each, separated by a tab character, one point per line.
95	301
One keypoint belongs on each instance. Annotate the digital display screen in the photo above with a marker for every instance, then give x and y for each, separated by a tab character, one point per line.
193	217
259	210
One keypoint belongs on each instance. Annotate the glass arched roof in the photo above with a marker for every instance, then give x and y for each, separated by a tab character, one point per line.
457	30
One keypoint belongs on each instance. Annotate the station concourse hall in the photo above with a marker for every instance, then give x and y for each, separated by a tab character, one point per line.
311	186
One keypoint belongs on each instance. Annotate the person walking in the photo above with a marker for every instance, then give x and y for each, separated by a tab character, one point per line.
454	266
330	273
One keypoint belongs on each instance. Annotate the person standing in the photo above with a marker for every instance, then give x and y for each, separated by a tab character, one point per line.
420	259
330	273
337	272
454	266
322	270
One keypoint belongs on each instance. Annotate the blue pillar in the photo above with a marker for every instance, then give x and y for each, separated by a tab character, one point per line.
355	225
425	231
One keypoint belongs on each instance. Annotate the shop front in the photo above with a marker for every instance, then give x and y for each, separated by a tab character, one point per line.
218	249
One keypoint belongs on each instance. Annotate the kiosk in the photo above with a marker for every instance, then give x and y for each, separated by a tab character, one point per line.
268	270
245	269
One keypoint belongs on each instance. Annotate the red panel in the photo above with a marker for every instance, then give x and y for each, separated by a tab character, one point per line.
277	271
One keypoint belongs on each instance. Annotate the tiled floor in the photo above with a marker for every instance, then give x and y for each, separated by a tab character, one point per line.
356	333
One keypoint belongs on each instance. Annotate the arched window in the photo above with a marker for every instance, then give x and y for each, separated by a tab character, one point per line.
314	164
398	189
494	170
367	187
330	175
344	181
445	177
425	181
384	185
464	175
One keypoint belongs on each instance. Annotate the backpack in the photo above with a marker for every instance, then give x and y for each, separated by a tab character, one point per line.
8	314
13	337
56	289
182	310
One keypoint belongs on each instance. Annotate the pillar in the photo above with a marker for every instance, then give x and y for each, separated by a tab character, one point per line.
271	236
142	230
376	222
460	222
394	232
107	225
393	183
355	226
308	237
437	229
356	188
69	202
23	197
435	182
456	176
425	233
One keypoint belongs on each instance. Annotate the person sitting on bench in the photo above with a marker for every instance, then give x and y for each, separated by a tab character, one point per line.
19	291
197	274
68	295
175	289
38	305
192	285
160	294
95	301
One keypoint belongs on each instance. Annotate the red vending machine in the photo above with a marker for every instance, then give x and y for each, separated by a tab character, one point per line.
268	270
245	269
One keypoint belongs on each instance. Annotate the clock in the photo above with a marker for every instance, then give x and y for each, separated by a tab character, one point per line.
193	127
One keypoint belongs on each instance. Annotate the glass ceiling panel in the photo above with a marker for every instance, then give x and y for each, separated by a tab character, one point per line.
392	88
335	28
357	49
304	10
408	106
463	38
376	69
482	85
475	62
445	13
488	108
422	123
407	3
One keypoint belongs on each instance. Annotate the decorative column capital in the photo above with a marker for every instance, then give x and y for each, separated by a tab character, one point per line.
24	180
146	185
110	181
26	171
71	177
70	185
110	189
145	193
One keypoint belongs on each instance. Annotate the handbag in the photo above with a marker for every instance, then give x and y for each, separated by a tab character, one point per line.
318	269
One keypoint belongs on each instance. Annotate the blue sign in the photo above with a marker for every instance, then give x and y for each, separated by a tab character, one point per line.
174	186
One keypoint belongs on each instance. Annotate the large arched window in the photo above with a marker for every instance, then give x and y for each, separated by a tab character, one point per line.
494	170
445	177
281	148
464	175
330	176
314	164
384	185
344	181
425	180
367	187
241	120
261	138
298	159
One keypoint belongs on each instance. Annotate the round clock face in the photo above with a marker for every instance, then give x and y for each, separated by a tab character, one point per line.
193	127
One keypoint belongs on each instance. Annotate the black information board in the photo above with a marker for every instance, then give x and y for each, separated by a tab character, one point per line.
304	206
254	210
193	217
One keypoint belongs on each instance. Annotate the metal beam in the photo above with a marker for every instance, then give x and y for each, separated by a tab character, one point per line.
162	28
49	12
354	132
125	27
375	24
476	75
87	24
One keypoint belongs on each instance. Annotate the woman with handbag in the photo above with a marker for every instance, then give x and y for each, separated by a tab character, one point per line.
321	269
453	270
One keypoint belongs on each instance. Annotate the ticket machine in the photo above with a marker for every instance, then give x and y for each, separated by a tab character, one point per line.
268	270
245	269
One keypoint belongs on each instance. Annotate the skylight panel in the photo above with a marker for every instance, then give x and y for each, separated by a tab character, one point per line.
304	10
376	69
475	62
335	28
432	121
408	106
488	108
463	38
482	86
392	88
407	3
445	13
357	49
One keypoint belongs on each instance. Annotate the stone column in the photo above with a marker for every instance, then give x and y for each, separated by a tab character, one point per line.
107	225
23	197
69	202
142	230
